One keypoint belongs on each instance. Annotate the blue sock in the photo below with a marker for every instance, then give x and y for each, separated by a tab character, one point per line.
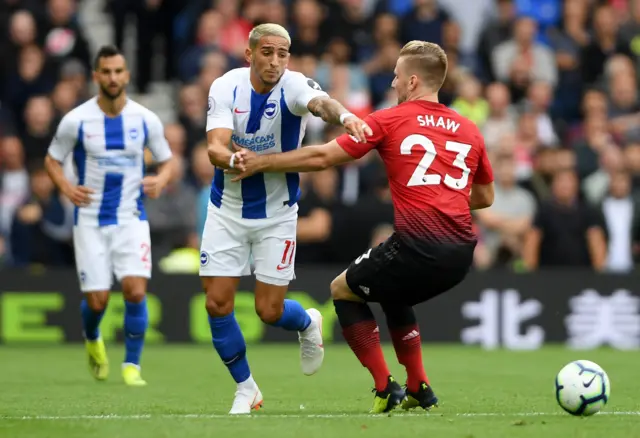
229	343
294	317
135	326
90	321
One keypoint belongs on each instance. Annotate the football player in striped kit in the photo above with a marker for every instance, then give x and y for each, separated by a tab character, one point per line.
263	108
106	137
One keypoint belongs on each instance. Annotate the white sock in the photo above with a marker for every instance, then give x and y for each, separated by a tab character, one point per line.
248	384
125	364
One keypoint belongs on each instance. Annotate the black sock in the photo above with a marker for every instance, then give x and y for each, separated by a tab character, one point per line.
398	315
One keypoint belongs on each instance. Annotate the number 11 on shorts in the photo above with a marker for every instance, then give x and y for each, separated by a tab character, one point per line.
287	254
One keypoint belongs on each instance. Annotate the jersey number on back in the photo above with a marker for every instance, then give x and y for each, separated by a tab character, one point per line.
420	176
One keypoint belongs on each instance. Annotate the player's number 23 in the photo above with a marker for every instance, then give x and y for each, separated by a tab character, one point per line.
420	176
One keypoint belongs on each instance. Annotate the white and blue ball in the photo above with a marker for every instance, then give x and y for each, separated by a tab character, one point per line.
582	388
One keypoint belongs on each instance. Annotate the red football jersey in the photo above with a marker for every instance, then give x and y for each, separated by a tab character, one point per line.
432	156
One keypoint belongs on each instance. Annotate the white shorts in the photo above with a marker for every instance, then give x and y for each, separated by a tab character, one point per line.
230	244
101	252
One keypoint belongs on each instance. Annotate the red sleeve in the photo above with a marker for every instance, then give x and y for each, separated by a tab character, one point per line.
359	150
484	173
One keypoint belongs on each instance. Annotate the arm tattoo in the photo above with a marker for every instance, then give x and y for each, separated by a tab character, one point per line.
327	109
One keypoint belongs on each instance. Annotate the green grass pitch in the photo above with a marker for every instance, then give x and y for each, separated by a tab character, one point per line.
47	392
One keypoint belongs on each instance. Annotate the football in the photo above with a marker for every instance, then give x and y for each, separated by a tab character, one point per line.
582	388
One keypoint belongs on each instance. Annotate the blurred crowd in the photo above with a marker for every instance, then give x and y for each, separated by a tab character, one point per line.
552	84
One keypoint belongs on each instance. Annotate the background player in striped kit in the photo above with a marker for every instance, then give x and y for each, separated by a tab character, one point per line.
263	108
107	136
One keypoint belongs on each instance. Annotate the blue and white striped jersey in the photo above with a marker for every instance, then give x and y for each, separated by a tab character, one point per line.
108	153
264	123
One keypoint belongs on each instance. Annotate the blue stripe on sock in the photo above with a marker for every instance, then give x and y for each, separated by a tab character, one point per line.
135	325
229	343
90	321
294	317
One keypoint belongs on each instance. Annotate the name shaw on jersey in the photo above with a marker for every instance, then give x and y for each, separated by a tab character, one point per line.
440	122
256	143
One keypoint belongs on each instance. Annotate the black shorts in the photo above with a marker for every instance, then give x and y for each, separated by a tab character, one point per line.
395	272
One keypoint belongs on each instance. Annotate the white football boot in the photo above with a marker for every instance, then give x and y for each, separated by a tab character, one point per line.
248	397
311	346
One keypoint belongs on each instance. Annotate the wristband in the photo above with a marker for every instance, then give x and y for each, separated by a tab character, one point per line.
344	116
232	160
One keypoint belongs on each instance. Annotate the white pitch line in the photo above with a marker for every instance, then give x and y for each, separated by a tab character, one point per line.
275	416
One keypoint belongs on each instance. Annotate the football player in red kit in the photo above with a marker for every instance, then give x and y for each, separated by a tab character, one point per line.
438	172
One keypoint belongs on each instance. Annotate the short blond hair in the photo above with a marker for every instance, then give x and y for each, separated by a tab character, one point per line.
267	29
428	60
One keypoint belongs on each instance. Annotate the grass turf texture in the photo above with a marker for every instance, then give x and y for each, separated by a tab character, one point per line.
483	394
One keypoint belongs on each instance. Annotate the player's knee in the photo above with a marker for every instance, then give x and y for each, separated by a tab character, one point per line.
217	306
134	296
340	289
269	313
97	301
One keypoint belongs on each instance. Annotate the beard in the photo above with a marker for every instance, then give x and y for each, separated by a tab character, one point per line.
111	94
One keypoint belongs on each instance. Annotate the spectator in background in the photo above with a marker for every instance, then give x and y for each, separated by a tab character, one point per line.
64	98
566	232
208	38
546	163
351	22
177	138
192	114
31	78
21	32
470	103
64	39
39	127
595	140
629	33
539	98
315	219
425	22
495	32
382	62
568	40
624	108
502	115
153	18
603	45
307	36
212	65
73	72
521	60
14	183
622	219
41	228
596	185
505	223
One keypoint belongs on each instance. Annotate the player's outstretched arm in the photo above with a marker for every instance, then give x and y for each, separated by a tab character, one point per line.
332	111
307	159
